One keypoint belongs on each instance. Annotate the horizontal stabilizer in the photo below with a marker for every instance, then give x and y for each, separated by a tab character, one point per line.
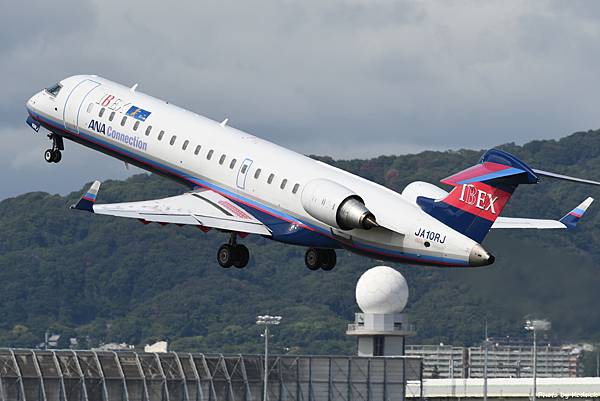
564	177
570	220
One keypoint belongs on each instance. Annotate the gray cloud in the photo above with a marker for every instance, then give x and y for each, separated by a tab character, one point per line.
347	78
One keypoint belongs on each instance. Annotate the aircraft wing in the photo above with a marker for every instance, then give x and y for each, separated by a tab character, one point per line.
569	220
204	208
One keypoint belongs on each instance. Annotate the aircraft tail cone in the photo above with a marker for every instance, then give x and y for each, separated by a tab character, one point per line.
480	257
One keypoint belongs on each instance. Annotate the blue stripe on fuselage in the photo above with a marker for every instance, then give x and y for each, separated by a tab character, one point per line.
306	234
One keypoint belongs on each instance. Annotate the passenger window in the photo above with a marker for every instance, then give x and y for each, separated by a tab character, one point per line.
197	149
185	144
172	141
295	189
123	121
136	125
90	107
244	168
210	153
101	113
222	159
270	179
232	164
148	130
257	173
282	186
161	134
112	115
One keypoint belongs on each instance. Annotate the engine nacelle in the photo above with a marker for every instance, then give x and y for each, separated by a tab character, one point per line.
419	188
336	205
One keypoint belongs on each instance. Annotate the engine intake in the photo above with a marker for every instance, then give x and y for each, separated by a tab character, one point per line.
336	205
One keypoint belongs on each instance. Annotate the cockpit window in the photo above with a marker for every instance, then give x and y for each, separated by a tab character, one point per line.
54	89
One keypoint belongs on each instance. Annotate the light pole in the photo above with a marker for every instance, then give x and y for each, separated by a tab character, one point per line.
535	326
486	344
266	320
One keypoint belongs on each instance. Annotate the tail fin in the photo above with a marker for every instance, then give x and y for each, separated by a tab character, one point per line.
480	193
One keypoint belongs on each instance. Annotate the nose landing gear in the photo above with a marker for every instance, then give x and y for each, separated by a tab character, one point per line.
54	155
233	254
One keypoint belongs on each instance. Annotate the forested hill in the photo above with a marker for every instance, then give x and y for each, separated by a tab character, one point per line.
107	279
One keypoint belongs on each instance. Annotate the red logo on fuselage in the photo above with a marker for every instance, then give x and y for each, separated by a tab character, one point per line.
478	198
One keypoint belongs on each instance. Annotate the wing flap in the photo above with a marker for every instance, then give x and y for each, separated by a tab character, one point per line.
200	208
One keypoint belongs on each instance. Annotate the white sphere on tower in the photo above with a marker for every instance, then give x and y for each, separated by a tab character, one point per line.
381	289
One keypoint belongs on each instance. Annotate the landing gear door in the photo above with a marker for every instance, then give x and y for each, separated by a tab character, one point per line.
74	102
243	173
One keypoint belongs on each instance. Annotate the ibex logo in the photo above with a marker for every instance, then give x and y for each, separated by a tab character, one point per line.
478	198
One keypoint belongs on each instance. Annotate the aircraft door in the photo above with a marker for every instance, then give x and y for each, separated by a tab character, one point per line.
74	102
243	173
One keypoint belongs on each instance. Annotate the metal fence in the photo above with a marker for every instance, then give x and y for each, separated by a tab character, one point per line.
34	375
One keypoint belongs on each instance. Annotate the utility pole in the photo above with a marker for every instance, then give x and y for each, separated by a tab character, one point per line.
534	326
597	361
266	320
485	363
534	364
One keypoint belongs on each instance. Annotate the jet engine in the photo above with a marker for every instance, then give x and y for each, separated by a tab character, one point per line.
419	188
336	205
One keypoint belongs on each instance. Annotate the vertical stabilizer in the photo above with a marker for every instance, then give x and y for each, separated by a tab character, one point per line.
480	193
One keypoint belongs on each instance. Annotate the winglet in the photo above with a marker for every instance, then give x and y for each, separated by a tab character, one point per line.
87	200
572	218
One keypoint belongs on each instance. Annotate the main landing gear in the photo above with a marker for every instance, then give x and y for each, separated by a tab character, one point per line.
317	258
233	254
54	155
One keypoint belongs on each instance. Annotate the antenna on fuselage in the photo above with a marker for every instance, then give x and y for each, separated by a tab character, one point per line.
224	122
133	88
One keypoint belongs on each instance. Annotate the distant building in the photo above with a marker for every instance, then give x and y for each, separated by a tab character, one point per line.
50	341
446	361
441	361
517	361
114	347
159	346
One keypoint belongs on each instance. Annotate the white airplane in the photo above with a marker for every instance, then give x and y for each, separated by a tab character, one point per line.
241	184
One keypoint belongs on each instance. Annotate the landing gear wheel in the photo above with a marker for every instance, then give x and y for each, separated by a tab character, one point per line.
329	259
312	258
226	256
316	259
242	256
49	156
54	155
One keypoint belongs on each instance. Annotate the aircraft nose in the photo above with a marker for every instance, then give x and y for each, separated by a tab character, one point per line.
32	102
480	257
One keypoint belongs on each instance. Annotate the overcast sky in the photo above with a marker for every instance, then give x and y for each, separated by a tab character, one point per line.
340	78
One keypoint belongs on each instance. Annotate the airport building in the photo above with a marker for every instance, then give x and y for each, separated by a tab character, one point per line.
34	375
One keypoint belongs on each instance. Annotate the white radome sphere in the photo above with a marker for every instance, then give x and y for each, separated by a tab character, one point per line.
381	289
